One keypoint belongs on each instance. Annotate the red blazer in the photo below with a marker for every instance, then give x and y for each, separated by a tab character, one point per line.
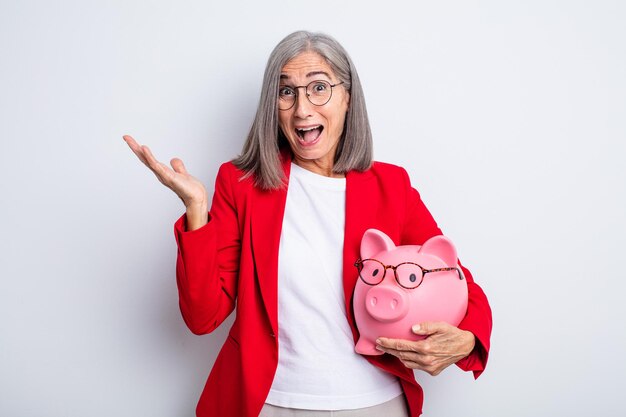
232	262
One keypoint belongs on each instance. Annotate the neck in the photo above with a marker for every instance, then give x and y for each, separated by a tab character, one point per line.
318	167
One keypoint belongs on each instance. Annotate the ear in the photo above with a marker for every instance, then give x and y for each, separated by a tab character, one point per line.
442	248
373	242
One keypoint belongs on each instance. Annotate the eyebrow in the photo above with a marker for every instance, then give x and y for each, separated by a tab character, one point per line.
308	75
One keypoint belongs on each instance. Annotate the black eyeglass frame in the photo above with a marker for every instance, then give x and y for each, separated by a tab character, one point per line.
306	93
359	265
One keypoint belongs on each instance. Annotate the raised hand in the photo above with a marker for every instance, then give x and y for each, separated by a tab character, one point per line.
189	189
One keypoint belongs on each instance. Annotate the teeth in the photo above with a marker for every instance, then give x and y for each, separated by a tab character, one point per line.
307	129
302	131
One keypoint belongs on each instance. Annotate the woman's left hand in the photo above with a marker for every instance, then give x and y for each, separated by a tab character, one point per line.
444	345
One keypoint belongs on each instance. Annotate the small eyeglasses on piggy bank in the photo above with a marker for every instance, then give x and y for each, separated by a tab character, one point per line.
408	275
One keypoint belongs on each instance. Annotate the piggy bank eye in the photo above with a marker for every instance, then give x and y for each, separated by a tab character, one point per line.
409	275
372	271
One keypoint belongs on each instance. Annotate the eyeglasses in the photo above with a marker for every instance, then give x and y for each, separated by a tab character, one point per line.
317	92
409	275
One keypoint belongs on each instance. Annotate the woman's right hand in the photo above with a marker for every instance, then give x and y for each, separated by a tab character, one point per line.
189	189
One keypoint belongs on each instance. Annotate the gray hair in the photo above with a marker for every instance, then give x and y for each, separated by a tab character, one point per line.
260	156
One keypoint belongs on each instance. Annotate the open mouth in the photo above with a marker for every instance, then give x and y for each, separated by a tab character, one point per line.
309	134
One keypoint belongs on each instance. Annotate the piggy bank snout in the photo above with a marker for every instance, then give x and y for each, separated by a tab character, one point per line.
386	303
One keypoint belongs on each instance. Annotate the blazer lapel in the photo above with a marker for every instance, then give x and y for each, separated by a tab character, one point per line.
360	215
268	209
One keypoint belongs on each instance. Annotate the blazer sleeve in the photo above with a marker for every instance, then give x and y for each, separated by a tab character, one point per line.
419	226
208	261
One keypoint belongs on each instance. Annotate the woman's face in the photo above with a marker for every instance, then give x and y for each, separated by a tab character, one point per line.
313	131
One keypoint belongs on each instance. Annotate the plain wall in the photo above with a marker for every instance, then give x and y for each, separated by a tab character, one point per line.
508	115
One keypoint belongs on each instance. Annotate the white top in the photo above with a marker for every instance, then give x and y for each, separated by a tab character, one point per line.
318	368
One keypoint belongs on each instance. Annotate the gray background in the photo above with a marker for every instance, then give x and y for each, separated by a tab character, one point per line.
508	115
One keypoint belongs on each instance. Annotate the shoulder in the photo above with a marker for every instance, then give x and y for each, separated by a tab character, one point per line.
235	179
229	168
389	171
385	167
387	180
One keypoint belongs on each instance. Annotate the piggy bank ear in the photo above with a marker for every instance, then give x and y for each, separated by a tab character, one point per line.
373	242
442	248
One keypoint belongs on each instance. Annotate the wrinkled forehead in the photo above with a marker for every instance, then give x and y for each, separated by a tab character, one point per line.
308	65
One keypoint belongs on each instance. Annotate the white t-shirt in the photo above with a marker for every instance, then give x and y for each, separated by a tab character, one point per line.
318	368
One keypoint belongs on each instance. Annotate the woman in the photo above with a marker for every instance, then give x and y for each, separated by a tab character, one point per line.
279	244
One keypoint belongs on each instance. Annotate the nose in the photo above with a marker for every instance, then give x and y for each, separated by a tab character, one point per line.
303	106
386	303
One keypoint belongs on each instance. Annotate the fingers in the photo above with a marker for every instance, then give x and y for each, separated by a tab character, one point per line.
129	140
432	370
147	153
407	355
160	169
433	365
396	344
136	148
163	173
410	364
403	349
398	347
176	178
430	364
444	345
429	327
178	166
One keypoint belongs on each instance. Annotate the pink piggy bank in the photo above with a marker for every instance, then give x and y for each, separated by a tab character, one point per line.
400	286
